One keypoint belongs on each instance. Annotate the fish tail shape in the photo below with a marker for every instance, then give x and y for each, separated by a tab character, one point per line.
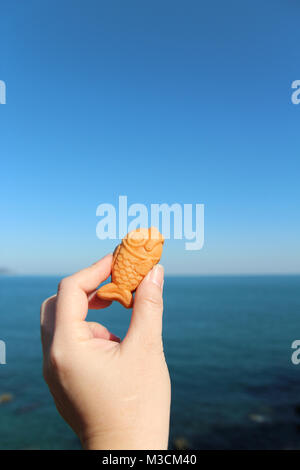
112	291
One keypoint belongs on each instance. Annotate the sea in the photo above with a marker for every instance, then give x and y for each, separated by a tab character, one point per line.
227	342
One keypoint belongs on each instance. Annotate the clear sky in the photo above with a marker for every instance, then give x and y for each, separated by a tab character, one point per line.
162	101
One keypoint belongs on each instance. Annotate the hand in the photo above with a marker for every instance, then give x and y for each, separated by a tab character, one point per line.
115	395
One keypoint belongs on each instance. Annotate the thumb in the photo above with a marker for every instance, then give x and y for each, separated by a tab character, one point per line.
146	321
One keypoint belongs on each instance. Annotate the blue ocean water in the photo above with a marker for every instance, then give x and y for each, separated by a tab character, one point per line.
228	347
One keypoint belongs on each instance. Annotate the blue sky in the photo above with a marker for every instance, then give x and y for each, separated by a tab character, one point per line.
162	101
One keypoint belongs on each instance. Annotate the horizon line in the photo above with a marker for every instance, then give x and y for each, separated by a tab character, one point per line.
166	274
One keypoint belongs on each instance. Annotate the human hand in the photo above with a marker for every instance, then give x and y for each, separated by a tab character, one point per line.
115	395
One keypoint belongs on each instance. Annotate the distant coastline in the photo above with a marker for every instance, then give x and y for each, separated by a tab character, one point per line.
5	271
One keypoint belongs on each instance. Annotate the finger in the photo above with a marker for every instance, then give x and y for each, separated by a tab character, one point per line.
72	299
146	321
48	322
88	279
95	303
99	331
48	316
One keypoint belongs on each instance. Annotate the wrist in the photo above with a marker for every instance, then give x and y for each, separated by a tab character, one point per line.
125	441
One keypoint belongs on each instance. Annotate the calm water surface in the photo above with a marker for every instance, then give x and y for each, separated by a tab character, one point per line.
228	347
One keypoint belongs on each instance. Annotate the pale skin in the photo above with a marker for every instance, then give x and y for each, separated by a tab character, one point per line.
114	394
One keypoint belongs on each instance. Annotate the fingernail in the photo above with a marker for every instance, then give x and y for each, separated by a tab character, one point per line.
156	275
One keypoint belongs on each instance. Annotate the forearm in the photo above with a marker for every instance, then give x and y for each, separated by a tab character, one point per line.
127	441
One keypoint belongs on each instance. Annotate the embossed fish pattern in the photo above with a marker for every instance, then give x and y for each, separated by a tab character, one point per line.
139	251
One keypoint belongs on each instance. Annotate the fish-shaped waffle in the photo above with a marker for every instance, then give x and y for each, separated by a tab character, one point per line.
138	252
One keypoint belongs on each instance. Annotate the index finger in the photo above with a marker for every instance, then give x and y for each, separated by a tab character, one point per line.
72	295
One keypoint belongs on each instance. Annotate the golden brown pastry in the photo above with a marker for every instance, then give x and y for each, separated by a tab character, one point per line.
139	251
